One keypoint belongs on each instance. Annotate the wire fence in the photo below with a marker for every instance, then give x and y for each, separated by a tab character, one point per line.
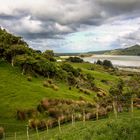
24	133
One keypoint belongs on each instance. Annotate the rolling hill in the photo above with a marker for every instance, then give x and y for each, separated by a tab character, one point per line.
134	50
40	93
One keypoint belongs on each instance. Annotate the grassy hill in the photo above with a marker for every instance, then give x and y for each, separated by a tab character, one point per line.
37	92
123	128
16	92
134	50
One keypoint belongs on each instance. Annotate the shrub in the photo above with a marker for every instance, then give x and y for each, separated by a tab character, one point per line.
1	132
81	98
86	91
75	59
90	115
21	115
55	112
50	81
29	78
104	81
81	89
71	79
32	113
33	123
40	108
90	77
102	112
45	103
70	69
78	117
46	84
107	63
109	108
53	86
52	123
99	62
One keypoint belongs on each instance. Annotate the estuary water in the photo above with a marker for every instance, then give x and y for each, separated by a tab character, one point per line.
117	60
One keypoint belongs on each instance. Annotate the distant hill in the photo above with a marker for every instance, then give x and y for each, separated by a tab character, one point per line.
134	50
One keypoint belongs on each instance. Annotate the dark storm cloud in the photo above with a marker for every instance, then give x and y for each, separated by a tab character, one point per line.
115	7
134	36
54	19
70	15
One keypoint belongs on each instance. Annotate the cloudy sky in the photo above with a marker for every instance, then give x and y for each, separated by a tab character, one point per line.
73	25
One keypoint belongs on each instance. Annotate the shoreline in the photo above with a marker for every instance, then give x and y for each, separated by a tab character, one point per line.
130	69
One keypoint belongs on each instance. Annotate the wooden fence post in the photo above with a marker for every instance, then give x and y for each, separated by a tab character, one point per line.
59	124
27	132
84	116
4	137
37	132
15	136
47	128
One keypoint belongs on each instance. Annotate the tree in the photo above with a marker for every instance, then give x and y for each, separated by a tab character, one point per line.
99	62
120	86
132	91
71	79
75	59
97	104
46	68
49	54
107	63
1	52
26	62
14	50
70	68
113	94
116	95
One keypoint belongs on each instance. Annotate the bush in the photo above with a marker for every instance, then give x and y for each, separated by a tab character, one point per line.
52	123
1	132
40	108
21	115
45	103
99	62
55	112
29	78
70	69
90	77
32	113
104	81
50	81
53	86
71	79
75	59
107	63
46	84
86	91
36	123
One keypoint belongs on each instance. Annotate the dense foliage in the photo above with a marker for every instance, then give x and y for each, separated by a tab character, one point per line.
75	59
94	93
105	63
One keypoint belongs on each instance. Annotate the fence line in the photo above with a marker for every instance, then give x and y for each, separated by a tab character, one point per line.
30	134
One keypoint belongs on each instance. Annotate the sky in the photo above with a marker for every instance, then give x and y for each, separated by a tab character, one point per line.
73	25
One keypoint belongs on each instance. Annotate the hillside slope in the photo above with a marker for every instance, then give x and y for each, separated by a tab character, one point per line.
16	92
134	50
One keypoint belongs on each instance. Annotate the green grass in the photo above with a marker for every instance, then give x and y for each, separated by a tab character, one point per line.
16	92
99	73
123	128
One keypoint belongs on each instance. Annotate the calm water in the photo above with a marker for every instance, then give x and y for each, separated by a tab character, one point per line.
117	60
